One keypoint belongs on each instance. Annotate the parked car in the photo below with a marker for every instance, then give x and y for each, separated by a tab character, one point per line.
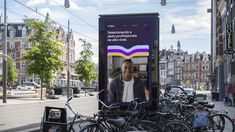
33	84
24	87
190	91
175	90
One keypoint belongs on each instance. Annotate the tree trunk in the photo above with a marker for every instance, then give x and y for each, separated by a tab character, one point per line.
41	87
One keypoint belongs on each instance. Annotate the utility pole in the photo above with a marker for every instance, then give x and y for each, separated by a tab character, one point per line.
4	99
68	62
67	5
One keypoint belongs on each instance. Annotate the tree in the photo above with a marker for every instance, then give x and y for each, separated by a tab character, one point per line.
11	71
44	57
84	65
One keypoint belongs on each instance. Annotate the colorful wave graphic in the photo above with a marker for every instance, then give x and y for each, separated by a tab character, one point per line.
137	50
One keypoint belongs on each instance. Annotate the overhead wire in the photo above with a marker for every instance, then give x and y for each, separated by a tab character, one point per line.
54	20
76	15
131	4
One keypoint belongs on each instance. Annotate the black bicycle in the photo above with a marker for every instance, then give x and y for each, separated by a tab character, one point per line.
58	119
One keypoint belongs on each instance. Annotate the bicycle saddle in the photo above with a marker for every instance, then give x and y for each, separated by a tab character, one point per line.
210	105
187	106
202	102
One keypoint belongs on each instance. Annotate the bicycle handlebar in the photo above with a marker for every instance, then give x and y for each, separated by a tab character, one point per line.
111	106
70	98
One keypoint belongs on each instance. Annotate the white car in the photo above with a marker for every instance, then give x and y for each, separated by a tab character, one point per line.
190	91
24	87
33	84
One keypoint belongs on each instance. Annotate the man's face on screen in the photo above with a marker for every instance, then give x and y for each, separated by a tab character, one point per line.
127	71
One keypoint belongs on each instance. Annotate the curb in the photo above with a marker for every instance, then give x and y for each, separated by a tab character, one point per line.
38	101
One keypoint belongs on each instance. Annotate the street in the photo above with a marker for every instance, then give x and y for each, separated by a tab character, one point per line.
27	117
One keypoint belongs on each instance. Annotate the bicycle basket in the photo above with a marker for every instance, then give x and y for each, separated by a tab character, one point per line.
201	119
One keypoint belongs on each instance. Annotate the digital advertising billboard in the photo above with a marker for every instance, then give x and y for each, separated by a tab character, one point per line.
128	46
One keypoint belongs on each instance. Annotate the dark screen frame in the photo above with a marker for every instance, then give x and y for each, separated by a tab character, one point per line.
153	64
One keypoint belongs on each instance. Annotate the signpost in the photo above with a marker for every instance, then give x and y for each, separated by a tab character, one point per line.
229	39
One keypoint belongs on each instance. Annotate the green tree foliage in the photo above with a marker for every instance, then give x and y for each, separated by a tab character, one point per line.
11	71
84	66
115	72
44	57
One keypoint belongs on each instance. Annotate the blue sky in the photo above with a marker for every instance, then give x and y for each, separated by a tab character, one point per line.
190	17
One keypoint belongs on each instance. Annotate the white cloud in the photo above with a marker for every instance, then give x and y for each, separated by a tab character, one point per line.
191	21
56	15
140	1
73	5
35	2
78	47
44	11
188	25
95	59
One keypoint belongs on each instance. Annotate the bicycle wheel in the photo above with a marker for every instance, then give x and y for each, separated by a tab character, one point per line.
222	123
130	129
92	128
149	126
177	126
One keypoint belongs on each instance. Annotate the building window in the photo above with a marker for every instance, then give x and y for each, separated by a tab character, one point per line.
192	66
12	44
0	44
24	32
19	27
21	54
22	66
161	73
12	33
233	23
12	55
22	45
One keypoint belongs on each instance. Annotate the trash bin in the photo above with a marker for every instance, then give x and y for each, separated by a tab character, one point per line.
201	96
54	119
58	91
215	96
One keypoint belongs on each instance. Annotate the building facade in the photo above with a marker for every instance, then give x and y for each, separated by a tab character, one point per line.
173	67
177	67
163	72
224	66
195	71
17	44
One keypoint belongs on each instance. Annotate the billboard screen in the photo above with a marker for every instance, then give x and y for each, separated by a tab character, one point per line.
125	57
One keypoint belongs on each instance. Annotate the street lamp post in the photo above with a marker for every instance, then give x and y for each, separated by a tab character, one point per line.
4	99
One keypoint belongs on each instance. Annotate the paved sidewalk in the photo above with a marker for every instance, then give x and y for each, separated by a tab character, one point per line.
219	105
